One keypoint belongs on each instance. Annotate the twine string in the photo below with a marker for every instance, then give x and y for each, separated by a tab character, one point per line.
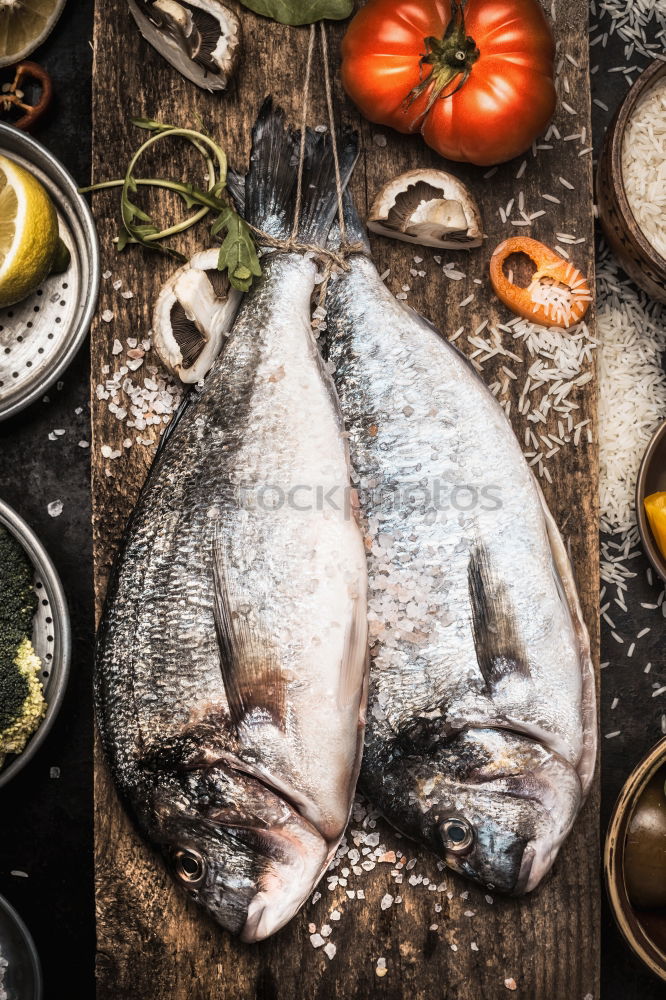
304	121
330	258
331	125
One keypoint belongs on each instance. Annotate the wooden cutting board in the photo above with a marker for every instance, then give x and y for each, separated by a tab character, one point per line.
447	941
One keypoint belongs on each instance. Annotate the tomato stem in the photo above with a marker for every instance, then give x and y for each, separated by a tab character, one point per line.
451	56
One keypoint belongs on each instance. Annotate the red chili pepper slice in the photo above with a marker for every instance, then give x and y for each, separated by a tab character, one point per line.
558	294
33	112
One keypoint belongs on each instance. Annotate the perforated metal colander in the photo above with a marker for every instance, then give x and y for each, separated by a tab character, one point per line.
40	335
50	635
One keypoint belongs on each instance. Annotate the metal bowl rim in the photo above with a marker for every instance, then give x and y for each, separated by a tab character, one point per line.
33	147
644	530
29	943
44	566
614	856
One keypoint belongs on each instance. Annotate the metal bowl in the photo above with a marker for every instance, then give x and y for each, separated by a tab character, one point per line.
50	636
40	335
644	931
23	976
652	479
634	252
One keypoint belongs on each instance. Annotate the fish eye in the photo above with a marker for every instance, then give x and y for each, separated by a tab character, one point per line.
457	835
190	866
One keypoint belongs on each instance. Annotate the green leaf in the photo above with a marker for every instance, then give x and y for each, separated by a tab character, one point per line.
237	254
122	239
301	11
150	125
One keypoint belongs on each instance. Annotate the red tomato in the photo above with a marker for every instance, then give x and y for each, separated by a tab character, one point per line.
478	83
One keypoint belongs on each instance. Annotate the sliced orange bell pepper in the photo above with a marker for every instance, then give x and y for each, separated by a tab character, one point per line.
655	508
558	294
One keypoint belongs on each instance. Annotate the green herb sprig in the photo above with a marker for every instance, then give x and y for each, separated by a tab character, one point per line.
238	254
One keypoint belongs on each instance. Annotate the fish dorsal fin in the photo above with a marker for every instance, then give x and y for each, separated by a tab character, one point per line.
250	671
499	650
354	657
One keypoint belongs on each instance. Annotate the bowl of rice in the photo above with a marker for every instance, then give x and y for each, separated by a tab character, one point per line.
631	182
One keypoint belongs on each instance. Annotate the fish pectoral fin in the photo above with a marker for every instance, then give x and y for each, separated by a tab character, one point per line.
251	674
353	667
499	650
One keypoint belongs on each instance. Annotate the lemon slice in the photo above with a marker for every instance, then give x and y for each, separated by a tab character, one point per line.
28	233
24	24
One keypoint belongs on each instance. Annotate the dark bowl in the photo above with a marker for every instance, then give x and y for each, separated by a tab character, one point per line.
644	930
652	479
23	976
635	254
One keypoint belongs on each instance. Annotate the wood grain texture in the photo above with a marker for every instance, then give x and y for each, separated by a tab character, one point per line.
151	942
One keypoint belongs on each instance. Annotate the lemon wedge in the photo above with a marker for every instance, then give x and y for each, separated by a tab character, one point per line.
24	24
28	232
655	508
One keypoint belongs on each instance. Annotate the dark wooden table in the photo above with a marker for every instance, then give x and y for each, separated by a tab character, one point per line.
46	822
152	942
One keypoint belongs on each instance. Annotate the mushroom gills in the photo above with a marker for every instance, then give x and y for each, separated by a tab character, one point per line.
200	38
433	216
193	314
428	207
187	335
195	30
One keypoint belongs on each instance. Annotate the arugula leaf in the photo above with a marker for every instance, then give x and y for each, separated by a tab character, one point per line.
237	254
301	11
150	125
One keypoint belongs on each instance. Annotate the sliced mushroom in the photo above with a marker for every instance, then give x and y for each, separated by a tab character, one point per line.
193	314
200	38
428	207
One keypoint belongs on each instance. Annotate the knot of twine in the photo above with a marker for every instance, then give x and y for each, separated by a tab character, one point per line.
330	259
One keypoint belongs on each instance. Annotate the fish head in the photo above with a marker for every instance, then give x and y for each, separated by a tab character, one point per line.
235	844
494	805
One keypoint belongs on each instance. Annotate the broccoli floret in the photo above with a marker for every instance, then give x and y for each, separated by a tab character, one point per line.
19	665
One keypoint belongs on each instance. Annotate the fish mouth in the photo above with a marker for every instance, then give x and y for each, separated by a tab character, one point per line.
552	787
525	874
295	854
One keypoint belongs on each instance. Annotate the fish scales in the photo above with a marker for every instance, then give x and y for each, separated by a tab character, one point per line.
481	681
231	673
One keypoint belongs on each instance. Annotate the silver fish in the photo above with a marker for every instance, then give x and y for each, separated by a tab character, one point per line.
232	662
481	735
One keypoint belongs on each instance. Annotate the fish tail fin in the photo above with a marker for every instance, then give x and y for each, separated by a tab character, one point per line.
319	200
269	182
270	193
355	231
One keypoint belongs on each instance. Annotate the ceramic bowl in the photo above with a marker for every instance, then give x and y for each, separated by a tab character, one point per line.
635	254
